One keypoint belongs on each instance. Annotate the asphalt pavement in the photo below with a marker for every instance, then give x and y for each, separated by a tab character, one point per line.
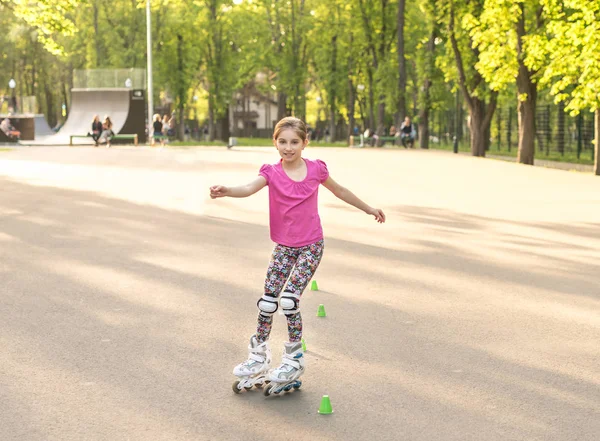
127	295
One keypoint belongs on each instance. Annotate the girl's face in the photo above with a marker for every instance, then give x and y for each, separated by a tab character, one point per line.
289	145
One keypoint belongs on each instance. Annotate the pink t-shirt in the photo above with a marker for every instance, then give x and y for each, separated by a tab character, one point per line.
293	206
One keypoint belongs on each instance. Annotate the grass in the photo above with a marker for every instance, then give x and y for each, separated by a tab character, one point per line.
250	142
4	149
568	156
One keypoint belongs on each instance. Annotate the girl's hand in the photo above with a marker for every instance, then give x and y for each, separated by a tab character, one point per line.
379	216
218	191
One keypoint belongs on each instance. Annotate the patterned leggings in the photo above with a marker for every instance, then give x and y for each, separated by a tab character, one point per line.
299	264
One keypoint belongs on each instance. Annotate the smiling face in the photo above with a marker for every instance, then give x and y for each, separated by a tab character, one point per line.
289	144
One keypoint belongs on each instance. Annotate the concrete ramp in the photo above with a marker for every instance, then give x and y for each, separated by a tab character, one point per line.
41	127
85	103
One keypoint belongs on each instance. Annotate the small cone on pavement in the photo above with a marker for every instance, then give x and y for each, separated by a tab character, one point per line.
325	408
303	345
321	311
314	286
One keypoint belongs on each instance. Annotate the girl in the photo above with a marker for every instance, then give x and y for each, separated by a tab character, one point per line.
96	129
107	132
296	230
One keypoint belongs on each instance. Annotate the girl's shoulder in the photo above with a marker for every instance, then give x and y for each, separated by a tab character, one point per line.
267	170
319	167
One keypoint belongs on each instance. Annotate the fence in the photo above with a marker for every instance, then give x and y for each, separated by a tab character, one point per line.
557	132
109	78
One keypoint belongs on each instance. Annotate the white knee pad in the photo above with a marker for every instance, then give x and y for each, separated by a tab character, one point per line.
267	304
290	303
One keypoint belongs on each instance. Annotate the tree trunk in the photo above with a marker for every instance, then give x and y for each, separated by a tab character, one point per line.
281	105
527	99
597	143
50	114
480	117
425	101
211	119
97	35
332	90
351	102
181	91
423	128
224	131
381	120
527	127
371	101
401	105
351	95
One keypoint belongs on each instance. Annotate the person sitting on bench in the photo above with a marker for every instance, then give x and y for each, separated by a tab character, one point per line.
96	129
407	133
9	130
107	132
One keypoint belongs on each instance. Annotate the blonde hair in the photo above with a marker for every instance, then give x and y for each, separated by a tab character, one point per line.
156	117
295	124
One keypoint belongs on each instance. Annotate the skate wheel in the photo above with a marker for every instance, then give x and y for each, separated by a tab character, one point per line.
248	387
236	387
287	388
297	386
267	392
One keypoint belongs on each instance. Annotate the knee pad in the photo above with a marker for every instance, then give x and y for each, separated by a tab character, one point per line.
290	303
267	304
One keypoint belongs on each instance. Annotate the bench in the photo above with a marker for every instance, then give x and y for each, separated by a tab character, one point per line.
361	141
163	137
133	137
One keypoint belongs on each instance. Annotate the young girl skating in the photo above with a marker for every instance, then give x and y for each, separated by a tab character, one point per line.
296	230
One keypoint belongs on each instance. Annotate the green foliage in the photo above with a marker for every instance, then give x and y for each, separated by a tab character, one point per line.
47	17
494	35
224	45
571	47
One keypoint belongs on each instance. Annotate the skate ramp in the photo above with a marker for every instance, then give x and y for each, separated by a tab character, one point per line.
85	103
41	127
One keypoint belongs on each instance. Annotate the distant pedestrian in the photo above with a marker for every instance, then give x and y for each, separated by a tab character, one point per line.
158	130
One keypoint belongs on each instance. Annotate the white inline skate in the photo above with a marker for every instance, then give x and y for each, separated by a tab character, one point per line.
286	376
253	372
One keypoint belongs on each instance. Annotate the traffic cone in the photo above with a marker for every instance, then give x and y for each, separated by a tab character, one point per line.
303	345
321	311
325	408
314	286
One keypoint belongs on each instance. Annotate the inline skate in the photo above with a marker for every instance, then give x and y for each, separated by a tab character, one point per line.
286	377
253	371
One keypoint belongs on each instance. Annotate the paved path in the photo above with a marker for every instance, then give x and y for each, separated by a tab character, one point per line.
127	296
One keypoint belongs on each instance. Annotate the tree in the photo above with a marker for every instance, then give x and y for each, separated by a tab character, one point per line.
400	51
378	31
501	34
569	57
48	17
480	100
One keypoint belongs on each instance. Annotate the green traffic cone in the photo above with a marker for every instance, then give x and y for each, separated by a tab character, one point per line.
303	345
314	286
325	408
321	311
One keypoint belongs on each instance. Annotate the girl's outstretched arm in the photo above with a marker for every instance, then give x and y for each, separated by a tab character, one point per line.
241	191
350	198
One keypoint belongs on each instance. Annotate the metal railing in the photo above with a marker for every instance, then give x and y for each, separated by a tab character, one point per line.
109	78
